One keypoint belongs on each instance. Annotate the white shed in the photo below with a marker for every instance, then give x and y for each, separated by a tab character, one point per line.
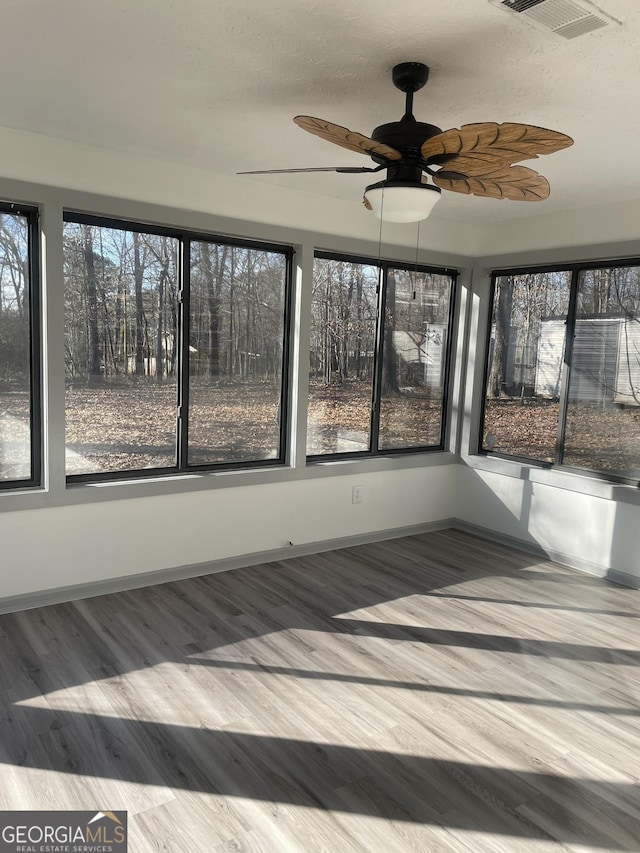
549	360
627	388
425	349
605	361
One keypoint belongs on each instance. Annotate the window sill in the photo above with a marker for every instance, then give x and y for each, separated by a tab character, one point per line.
597	486
170	484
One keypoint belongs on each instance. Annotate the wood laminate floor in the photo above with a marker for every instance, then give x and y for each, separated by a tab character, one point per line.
434	693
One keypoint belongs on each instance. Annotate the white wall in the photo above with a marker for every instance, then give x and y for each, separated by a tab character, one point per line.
583	228
91	542
597	533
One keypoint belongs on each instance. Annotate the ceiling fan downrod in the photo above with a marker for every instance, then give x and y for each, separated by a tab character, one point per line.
407	135
409	77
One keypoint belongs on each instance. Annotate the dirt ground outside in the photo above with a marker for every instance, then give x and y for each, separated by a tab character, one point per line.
111	428
15	449
339	419
129	427
600	438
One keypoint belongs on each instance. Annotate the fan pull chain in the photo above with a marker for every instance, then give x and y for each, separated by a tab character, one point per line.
380	250
380	230
415	268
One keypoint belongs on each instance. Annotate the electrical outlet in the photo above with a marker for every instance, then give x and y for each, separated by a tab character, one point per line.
356	495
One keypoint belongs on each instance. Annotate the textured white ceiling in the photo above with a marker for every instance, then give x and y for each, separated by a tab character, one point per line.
215	85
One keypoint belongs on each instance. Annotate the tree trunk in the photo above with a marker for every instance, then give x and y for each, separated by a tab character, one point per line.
231	347
326	342
160	349
390	365
248	323
213	277
359	324
503	304
138	273
93	344
346	326
120	329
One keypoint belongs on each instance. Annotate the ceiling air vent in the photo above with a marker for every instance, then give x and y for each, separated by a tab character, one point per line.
567	18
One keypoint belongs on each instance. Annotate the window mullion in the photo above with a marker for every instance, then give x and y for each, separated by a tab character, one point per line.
376	385
182	435
21	302
487	366
448	377
566	366
35	356
288	424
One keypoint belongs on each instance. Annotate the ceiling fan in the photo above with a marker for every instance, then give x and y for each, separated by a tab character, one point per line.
421	159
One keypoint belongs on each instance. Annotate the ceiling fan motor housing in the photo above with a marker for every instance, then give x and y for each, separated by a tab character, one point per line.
406	136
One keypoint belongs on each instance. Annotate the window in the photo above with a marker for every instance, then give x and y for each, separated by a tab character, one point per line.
121	309
342	348
379	356
236	353
414	358
602	429
526	350
563	378
20	444
175	350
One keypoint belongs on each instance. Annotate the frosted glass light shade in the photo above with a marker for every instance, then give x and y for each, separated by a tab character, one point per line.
395	201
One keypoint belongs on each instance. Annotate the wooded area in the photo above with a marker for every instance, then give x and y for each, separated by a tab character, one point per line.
15	404
346	345
122	307
14	303
125	322
121	304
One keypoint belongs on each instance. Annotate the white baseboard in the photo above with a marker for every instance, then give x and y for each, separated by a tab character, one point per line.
42	598
613	575
58	595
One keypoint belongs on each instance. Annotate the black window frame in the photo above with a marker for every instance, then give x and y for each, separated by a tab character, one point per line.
575	268
32	215
185	237
383	266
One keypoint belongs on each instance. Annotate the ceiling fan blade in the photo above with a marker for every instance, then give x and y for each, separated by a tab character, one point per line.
517	183
342	169
482	148
346	138
450	175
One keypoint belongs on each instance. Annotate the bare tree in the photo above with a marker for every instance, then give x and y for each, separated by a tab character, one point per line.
93	349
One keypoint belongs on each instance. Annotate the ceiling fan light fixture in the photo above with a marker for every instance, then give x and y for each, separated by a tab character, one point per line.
401	201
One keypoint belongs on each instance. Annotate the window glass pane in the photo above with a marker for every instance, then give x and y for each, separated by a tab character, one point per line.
343	328
414	358
121	313
15	367
603	414
236	358
526	352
